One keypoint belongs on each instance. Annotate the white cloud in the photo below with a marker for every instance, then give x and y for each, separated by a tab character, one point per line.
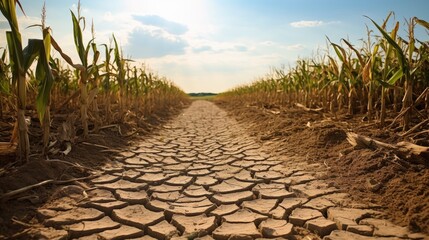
294	47
157	21
148	43
203	48
211	71
267	43
302	24
108	17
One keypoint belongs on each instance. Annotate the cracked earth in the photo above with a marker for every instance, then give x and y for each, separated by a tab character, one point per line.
203	177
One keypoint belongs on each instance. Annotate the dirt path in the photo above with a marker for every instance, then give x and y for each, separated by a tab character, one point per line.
204	176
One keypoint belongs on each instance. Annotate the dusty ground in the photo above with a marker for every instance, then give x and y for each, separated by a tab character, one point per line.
402	188
84	157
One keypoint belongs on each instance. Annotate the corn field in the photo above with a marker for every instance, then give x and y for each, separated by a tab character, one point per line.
387	76
102	88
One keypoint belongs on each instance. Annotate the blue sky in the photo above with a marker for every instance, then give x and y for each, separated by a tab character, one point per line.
214	45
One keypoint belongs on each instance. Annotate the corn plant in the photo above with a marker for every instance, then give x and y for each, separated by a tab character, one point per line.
373	78
106	84
126	88
16	56
21	60
85	70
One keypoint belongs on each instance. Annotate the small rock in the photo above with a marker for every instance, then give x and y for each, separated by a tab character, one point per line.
373	185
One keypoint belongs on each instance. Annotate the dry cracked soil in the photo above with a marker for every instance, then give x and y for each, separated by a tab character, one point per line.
202	176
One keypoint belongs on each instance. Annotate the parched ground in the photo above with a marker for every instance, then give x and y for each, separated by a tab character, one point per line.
205	175
399	187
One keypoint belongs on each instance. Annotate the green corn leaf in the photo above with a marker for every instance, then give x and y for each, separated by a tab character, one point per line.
400	54
47	43
46	79
116	52
395	77
36	48
15	53
87	48
31	52
341	53
78	39
359	56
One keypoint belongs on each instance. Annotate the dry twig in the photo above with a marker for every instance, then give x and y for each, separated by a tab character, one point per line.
13	193
405	150
315	110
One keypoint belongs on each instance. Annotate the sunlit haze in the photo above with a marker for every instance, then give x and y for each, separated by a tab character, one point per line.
214	45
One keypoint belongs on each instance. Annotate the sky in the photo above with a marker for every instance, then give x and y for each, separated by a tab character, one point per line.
215	45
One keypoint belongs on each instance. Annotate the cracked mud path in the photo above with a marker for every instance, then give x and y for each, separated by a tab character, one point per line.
204	177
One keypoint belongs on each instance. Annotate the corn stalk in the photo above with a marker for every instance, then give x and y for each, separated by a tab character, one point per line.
120	71
407	101
16	56
373	78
